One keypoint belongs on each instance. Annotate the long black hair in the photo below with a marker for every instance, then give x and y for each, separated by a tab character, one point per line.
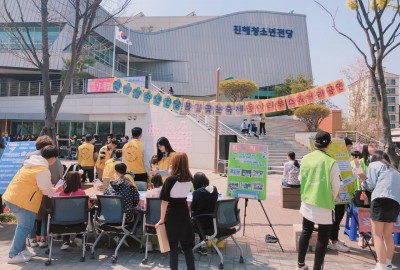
168	148
365	154
292	156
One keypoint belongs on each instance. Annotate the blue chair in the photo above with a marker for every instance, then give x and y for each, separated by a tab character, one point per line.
226	222
151	217
110	217
70	215
141	185
351	225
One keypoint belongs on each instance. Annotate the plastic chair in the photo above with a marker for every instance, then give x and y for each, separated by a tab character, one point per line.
226	222
141	185
110	217
69	215
151	217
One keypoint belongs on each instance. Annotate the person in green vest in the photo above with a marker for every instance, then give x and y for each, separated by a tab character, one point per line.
319	186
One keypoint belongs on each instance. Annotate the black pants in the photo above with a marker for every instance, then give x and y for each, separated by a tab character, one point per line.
324	232
339	214
262	127
66	237
90	174
187	250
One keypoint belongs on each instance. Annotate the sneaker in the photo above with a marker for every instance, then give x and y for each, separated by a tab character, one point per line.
43	243
78	242
28	253
304	267
20	258
33	243
338	247
342	242
149	246
65	246
202	251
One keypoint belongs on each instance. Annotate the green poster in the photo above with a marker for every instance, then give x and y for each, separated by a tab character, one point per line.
247	171
337	150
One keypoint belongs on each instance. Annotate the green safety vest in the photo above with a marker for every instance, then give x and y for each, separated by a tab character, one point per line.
316	188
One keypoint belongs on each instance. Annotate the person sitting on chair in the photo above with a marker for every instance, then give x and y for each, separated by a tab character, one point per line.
204	199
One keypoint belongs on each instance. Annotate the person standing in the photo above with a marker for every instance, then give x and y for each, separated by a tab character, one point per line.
109	167
384	182
86	158
175	211
171	91
133	155
165	154
263	121
335	243
6	139
105	154
24	195
319	186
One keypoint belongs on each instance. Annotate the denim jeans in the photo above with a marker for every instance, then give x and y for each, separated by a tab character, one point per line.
26	221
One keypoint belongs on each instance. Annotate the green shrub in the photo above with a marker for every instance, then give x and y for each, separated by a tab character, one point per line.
7	218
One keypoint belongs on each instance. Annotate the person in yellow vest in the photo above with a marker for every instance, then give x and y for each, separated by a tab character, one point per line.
109	168
165	154
24	196
319	186
263	120
86	158
133	155
105	154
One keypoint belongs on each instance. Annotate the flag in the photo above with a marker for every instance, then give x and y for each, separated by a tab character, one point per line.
121	36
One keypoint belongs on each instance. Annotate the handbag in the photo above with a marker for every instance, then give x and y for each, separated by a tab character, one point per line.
362	198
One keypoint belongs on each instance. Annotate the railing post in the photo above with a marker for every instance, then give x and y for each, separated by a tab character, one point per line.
9	89
39	88
19	88
29	88
356	137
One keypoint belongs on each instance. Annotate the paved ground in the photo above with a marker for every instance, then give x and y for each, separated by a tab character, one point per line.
258	254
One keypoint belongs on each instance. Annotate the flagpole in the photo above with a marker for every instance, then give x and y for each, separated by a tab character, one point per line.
129	44
113	63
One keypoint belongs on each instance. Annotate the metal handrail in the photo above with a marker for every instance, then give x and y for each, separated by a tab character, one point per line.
358	137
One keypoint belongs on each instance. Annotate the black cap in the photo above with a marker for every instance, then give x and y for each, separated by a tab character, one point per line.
88	137
322	139
347	141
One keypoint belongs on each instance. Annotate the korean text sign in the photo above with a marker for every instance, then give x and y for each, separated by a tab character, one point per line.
247	171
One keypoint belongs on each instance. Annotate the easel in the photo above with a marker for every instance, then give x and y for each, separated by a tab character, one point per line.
246	200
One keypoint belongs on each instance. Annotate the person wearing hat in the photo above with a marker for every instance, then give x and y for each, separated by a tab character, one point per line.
86	158
335	243
320	181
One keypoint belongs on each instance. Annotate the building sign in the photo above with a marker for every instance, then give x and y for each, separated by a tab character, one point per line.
247	171
104	85
262	31
11	161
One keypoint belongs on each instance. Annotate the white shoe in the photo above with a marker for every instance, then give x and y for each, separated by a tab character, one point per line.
28	253
78	242
19	259
304	267
342	242
338	247
65	246
43	243
33	243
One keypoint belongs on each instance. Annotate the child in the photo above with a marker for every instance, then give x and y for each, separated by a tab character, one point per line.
72	187
156	185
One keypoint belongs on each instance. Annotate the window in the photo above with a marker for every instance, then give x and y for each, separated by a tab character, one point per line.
391	99
391	82
90	128
392	125
390	90
103	128
392	117
373	99
118	129
391	108
373	109
37	127
77	129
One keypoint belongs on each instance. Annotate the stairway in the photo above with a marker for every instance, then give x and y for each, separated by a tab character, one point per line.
280	139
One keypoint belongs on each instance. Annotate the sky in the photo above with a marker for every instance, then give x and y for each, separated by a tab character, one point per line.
330	52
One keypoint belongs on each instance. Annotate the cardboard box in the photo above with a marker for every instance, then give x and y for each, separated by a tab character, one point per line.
163	238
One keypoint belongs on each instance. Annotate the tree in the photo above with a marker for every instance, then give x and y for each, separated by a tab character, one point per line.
379	20
81	21
293	85
82	65
312	115
237	90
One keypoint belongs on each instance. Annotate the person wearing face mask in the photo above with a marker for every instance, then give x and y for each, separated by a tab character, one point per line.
165	154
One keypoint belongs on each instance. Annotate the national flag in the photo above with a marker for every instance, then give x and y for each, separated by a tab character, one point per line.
121	36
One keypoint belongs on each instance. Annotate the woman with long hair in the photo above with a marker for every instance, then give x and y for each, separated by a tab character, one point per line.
291	171
383	180
175	211
165	154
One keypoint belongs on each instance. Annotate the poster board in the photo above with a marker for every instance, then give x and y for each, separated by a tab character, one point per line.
364	219
247	171
11	161
337	150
